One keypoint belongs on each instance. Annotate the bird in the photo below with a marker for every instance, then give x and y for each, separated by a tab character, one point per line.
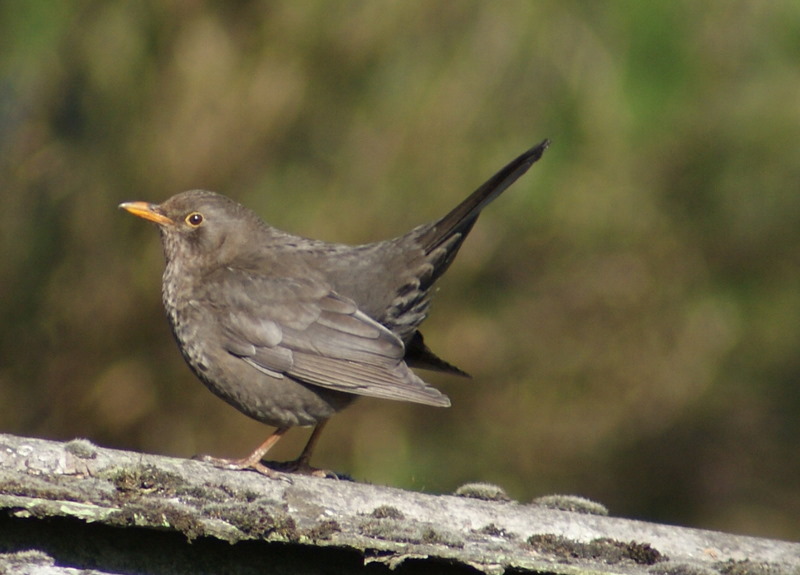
291	330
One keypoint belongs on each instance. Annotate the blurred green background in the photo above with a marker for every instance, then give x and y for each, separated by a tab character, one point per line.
629	309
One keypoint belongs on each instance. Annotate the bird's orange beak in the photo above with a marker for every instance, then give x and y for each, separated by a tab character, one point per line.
146	211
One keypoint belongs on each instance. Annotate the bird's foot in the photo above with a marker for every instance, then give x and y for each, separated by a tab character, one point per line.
300	466
246	463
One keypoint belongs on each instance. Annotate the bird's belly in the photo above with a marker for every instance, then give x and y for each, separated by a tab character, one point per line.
278	401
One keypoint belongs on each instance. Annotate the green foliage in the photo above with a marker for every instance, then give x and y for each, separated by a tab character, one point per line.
628	310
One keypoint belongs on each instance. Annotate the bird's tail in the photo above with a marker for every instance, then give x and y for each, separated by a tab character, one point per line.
461	219
442	239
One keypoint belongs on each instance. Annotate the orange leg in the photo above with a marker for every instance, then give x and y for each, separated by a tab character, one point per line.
300	465
252	461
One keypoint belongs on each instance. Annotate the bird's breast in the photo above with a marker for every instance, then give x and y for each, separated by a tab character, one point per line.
183	310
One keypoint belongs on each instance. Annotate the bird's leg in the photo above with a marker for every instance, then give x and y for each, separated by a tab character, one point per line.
252	461
305	456
301	465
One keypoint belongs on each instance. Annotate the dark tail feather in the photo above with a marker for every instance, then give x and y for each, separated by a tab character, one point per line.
420	355
461	219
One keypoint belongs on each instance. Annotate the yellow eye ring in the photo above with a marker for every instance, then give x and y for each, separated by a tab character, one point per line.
194	219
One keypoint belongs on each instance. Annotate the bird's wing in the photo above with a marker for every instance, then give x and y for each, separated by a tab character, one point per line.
304	330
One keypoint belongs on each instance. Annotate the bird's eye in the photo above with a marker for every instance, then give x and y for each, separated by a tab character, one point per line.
194	219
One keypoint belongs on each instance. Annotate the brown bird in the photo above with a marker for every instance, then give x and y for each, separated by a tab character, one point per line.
289	330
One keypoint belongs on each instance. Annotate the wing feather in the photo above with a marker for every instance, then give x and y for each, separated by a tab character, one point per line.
303	330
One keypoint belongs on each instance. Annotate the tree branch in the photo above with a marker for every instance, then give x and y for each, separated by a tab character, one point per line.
68	506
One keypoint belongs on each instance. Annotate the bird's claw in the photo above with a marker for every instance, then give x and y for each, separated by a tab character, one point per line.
301	467
243	464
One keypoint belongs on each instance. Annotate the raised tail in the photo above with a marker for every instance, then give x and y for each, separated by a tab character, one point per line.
440	242
442	239
463	216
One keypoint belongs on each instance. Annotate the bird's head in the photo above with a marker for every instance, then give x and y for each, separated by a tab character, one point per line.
200	225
